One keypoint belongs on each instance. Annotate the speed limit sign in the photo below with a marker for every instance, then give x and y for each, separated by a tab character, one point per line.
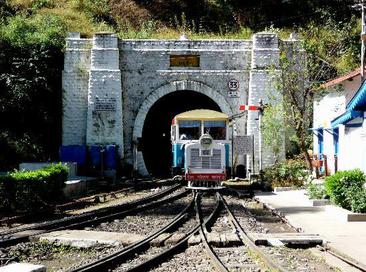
233	84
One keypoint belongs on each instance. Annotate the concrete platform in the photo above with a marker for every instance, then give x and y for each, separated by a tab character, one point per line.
23	267
86	239
78	186
346	237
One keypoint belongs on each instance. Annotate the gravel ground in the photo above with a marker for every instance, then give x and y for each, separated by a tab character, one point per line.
301	260
54	257
146	222
119	199
152	251
260	220
193	259
61	258
253	217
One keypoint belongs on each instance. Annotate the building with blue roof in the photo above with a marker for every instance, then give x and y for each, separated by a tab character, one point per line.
339	128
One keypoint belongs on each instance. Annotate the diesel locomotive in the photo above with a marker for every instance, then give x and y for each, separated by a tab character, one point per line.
201	148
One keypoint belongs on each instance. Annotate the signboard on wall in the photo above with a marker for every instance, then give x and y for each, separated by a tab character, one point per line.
233	86
105	104
184	61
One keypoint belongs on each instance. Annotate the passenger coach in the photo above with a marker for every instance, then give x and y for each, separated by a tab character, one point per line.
201	147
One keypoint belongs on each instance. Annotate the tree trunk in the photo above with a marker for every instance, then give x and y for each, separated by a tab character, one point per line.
304	150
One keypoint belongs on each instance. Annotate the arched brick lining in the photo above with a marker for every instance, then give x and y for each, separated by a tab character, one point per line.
164	90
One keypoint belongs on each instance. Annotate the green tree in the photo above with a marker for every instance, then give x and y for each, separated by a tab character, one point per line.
30	88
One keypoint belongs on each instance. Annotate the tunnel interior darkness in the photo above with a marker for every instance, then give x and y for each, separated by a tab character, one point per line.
155	142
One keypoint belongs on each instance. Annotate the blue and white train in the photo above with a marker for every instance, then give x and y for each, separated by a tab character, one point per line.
201	147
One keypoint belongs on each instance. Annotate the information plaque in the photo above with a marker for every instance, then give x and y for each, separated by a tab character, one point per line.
184	61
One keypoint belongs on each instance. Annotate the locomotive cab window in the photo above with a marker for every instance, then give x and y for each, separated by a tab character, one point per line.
189	130
217	129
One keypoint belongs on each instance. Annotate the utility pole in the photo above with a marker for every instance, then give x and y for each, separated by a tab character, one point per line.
260	113
363	41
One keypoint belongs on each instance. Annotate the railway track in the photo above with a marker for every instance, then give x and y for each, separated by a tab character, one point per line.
141	256
198	217
14	236
214	253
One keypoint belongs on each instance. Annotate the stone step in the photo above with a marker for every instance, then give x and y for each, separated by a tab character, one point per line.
218	240
286	238
86	239
23	267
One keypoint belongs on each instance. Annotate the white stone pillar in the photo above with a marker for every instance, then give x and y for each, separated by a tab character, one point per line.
75	78
104	122
265	60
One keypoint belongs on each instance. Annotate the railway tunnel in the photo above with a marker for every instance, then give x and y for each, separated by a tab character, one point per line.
155	142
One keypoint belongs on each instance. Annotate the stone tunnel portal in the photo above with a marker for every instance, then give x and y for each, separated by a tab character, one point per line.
155	143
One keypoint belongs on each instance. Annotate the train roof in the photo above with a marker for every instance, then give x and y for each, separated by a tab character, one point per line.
202	114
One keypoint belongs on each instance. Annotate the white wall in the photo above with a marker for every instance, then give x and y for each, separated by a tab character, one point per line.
328	106
353	150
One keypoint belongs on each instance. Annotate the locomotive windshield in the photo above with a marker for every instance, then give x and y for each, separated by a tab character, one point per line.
189	130
217	129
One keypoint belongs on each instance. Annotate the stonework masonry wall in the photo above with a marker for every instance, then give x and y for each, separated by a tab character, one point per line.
110	84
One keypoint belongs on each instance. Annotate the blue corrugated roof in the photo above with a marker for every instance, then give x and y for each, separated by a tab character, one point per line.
346	117
358	101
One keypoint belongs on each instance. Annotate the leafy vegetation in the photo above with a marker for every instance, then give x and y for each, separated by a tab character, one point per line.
316	191
32	190
346	189
32	36
286	174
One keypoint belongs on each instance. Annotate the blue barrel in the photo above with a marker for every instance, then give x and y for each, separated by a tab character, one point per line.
95	156
110	157
73	153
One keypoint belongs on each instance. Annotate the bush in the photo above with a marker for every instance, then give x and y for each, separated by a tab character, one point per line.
288	173
32	190
317	191
357	200
342	185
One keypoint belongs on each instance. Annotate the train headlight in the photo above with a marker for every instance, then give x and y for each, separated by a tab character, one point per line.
206	141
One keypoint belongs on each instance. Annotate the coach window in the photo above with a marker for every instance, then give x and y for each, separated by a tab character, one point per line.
189	130
217	129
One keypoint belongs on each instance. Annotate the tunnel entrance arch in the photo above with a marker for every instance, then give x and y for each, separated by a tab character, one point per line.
182	93
155	143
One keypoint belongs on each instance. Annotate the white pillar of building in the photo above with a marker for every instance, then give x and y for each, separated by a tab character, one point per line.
104	120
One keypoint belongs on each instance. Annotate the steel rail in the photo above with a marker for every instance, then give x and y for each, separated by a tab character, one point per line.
248	242
93	217
217	263
94	213
122	255
341	256
177	248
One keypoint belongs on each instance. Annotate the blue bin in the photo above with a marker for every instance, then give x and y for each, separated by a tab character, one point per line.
73	153
95	155
110	156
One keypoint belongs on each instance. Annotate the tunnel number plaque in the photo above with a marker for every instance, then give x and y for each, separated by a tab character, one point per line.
233	86
184	61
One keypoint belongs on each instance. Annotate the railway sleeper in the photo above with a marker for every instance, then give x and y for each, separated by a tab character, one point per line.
217	240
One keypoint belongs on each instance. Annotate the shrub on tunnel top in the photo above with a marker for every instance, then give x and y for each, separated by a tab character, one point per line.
345	186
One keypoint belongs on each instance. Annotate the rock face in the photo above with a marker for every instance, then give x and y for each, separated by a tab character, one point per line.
109	85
